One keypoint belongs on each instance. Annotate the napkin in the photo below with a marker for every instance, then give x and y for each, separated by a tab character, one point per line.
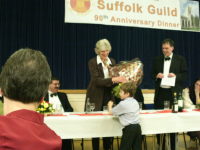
97	114
56	115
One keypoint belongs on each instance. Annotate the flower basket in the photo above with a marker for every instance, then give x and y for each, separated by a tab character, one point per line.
198	106
132	70
45	108
115	91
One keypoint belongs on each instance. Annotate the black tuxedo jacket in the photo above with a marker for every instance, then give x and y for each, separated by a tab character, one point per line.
1	99
178	67
63	99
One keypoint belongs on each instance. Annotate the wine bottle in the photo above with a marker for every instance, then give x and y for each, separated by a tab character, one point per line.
175	104
180	103
88	108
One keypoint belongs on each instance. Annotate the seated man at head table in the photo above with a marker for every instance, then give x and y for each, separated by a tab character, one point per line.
24	81
1	105
55	97
1	98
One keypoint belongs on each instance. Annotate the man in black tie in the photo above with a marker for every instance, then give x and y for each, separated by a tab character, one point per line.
168	65
1	98
55	97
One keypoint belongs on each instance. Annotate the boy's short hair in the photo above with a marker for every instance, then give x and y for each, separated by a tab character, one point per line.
26	76
129	87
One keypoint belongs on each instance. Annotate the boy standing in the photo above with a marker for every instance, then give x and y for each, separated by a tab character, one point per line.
128	111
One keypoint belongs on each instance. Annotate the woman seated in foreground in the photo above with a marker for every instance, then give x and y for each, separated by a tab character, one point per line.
191	97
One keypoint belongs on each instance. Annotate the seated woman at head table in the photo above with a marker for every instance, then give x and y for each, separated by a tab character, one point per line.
191	97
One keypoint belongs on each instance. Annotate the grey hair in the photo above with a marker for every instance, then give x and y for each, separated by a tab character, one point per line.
26	76
102	45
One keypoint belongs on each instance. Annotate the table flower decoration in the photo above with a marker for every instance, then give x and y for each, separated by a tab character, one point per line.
45	108
198	106
132	70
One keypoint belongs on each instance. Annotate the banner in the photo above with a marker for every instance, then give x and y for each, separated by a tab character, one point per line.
160	14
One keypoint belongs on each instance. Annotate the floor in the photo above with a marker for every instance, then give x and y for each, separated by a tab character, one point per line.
88	144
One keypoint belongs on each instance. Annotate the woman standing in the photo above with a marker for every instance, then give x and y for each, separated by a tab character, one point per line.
100	86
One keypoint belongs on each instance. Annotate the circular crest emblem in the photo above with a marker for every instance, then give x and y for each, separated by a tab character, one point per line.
80	7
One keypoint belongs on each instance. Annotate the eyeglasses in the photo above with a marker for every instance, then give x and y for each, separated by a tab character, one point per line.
57	84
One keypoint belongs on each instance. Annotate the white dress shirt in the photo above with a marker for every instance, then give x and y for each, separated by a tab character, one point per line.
105	68
54	100
128	111
187	103
166	68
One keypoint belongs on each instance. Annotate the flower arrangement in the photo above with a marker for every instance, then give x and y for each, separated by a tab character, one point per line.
115	91
45	107
198	106
132	70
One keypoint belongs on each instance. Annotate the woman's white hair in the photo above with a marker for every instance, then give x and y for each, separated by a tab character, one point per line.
102	45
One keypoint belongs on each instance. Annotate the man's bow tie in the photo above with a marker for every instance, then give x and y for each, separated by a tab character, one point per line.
53	94
167	58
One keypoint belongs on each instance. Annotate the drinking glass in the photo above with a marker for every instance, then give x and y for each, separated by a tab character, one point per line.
192	107
140	106
166	105
58	109
105	109
92	106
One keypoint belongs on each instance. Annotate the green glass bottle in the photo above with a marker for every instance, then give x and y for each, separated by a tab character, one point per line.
180	103
175	104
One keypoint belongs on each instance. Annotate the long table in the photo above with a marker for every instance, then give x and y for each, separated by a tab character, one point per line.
74	126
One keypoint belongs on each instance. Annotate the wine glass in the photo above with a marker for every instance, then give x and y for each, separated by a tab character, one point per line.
58	109
92	106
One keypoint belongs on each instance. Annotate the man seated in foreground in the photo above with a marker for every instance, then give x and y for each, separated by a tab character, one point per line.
24	81
55	97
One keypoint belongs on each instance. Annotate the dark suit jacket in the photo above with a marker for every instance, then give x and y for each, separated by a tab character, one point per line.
64	101
98	84
178	67
1	99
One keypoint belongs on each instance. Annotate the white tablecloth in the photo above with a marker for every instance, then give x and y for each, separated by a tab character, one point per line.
72	126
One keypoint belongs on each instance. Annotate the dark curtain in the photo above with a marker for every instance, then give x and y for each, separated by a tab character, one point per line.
39	24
